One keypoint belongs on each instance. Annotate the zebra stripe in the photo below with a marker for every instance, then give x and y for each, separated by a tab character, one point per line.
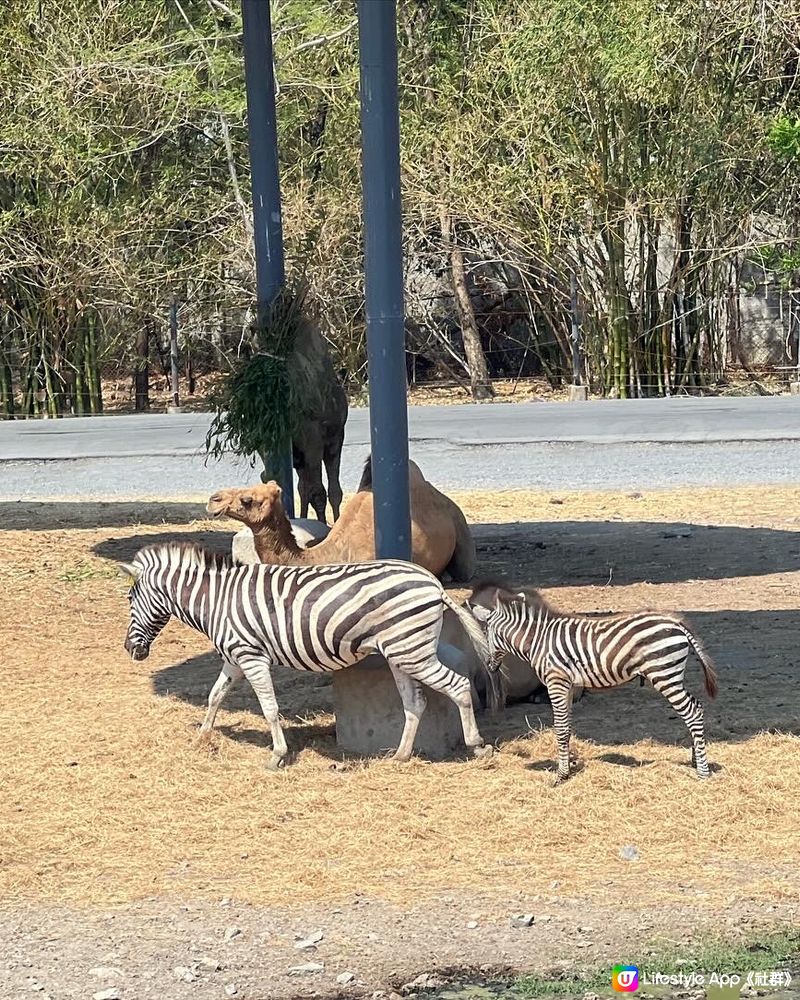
570	652
317	618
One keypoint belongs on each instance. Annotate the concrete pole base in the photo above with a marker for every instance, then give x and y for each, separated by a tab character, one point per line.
369	714
578	393
794	388
174	409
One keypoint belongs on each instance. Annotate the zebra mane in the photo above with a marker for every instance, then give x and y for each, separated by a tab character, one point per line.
196	555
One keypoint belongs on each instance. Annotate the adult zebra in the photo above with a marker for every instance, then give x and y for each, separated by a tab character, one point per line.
307	617
585	651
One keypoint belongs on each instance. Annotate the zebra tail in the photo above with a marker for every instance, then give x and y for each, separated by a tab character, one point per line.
476	635
709	670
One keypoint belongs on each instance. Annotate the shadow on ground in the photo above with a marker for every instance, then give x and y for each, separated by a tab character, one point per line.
33	515
617	553
580	553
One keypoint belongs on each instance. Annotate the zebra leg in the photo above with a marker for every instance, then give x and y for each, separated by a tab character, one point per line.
560	692
229	676
691	711
258	673
414	702
459	690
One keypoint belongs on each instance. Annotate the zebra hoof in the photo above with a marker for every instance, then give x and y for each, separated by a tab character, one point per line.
484	752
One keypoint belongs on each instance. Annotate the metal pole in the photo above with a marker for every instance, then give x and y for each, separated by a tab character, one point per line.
263	144
173	351
383	271
576	333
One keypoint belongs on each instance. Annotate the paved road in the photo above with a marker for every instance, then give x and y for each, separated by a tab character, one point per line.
636	444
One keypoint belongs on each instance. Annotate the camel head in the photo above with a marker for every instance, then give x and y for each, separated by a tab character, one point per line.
253	505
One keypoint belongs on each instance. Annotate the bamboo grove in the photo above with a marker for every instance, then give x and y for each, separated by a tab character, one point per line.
644	152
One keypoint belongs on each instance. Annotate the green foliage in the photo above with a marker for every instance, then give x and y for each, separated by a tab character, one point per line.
259	403
776	951
783	138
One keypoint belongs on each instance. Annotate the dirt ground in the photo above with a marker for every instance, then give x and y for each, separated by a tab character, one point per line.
127	852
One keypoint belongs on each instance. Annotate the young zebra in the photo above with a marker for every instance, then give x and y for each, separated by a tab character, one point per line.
306	617
575	651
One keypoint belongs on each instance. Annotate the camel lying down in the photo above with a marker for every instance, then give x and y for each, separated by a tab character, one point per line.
440	537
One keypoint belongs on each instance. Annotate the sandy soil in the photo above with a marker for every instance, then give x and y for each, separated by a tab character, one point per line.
124	847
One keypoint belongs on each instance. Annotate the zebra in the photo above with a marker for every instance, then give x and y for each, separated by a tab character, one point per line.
318	618
586	651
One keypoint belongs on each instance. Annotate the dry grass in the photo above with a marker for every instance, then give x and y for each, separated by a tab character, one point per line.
107	797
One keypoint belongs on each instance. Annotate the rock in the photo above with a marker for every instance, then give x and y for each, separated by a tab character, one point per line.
522	920
345	978
424	981
306	968
629	853
591	996
110	994
185	973
225	901
210	963
310	942
472	924
232	932
544	918
105	972
231	990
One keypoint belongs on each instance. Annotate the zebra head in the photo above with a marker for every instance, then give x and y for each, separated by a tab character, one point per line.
149	612
501	611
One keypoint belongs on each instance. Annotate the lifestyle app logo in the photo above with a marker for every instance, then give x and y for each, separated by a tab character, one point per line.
625	978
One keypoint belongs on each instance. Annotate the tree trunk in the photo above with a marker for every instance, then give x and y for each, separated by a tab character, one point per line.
6	389
480	383
141	374
94	386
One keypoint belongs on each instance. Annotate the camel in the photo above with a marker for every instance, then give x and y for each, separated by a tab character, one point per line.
440	537
306	533
319	435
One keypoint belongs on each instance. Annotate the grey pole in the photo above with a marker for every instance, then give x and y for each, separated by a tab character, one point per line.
263	144
173	353
383	271
576	333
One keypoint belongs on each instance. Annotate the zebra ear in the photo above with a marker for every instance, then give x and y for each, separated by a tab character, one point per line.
521	596
131	571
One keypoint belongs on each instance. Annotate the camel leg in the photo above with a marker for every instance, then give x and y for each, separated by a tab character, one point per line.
312	490
303	481
332	456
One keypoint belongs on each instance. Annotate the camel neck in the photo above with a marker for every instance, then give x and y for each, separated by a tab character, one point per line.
276	544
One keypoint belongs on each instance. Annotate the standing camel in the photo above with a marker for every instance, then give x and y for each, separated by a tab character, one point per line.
319	435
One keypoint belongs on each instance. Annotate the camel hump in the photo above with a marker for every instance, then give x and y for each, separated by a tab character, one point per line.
415	476
463	562
365	486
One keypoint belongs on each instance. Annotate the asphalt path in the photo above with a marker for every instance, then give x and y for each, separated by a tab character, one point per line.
637	444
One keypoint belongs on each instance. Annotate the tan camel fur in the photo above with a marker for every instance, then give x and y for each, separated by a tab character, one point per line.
440	537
